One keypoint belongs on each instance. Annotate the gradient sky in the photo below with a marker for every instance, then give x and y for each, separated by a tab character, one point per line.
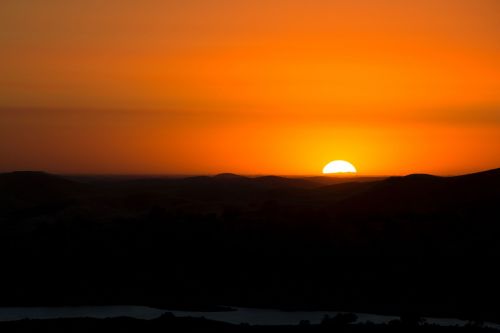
252	87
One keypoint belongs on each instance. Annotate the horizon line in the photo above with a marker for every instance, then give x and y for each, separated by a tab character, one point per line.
249	175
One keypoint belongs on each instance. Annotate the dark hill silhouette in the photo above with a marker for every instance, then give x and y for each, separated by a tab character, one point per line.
417	192
332	180
219	187
30	181
422	193
417	242
31	192
413	193
422	213
343	190
281	182
228	175
487	173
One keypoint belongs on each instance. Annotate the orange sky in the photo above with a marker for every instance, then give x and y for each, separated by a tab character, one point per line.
252	87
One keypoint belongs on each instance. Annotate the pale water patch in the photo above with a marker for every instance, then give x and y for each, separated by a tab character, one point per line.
138	312
250	316
277	317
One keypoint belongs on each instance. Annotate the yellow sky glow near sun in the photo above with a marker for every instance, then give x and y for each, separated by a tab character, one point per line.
256	87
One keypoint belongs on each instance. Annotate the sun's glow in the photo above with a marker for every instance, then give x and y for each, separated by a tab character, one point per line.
339	166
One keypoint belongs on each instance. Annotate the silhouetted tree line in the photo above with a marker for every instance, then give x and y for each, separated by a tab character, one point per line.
340	323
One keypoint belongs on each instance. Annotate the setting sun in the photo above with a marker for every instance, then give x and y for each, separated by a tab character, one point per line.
250	87
339	166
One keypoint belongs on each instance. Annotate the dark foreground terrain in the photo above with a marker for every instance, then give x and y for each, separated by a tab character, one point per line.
416	244
168	323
